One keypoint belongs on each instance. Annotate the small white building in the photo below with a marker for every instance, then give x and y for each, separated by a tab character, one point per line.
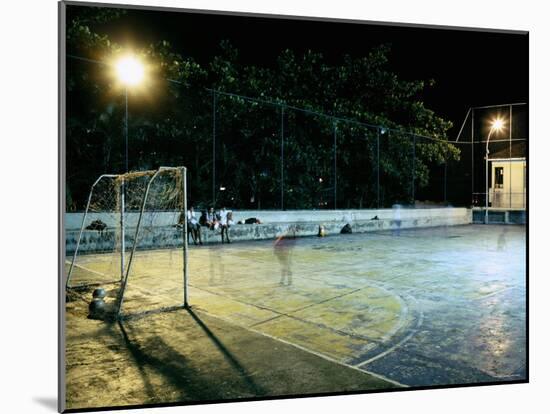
508	183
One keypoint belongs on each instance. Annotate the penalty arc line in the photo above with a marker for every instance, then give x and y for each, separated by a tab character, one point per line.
303	348
397	345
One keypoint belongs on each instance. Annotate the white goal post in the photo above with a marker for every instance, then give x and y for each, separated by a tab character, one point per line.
126	215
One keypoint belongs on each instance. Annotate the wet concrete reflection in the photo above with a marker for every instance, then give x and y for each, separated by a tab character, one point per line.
431	307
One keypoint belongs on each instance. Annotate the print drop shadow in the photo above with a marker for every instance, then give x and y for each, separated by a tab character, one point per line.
47	402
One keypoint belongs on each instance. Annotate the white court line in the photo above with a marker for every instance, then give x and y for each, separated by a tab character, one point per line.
397	345
497	292
371	284
378	285
303	348
401	323
290	314
85	268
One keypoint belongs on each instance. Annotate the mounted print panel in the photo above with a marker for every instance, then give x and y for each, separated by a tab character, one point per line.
259	207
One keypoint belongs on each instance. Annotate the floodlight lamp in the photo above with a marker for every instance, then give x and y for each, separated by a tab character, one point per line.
498	124
129	70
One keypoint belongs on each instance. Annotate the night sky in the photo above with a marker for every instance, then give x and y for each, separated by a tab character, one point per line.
470	68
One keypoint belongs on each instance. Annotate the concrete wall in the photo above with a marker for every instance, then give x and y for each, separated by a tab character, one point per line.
161	229
73	221
499	216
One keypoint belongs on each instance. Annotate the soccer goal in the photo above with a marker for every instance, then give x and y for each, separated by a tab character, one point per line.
133	241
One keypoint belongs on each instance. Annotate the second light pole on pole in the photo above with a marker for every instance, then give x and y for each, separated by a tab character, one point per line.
497	125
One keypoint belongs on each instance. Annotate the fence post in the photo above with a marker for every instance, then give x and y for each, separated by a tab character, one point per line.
445	174
335	166
282	157
378	168
472	154
413	167
213	149
510	155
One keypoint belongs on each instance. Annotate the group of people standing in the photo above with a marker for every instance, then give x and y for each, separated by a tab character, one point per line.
222	219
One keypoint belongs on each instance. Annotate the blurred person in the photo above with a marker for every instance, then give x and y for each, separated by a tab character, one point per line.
282	248
397	219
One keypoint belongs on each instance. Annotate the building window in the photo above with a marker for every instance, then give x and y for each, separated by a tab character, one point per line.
499	177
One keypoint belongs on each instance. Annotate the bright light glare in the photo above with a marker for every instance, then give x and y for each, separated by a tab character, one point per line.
497	124
129	71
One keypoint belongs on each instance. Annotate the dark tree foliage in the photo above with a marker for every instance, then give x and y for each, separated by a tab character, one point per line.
171	123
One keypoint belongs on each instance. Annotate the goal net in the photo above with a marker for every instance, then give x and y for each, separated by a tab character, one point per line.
132	242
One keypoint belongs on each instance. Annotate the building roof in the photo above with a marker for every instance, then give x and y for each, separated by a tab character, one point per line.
519	150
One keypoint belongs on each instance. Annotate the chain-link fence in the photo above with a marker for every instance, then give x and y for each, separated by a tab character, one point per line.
261	153
498	138
269	155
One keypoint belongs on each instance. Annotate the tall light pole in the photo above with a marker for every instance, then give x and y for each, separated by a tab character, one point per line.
130	72
125	128
496	125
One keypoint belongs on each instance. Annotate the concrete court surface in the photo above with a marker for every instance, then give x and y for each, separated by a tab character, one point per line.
418	307
187	356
